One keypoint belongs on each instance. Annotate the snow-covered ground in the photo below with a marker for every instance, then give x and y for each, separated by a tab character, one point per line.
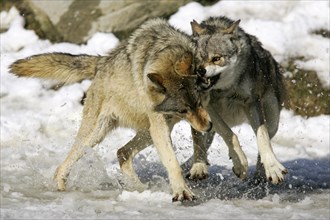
38	126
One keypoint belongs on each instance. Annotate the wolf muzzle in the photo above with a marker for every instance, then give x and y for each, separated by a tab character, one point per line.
205	83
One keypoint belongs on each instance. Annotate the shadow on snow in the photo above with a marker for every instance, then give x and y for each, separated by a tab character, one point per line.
305	176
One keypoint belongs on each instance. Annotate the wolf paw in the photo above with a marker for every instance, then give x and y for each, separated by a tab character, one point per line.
240	164
183	194
60	180
131	184
240	171
274	171
198	171
276	174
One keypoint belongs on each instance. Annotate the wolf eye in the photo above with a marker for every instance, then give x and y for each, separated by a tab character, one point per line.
215	59
183	111
219	60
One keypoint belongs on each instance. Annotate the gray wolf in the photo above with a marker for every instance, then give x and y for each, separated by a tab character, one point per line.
243	82
146	83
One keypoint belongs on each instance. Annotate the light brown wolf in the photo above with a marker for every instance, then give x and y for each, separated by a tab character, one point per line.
146	83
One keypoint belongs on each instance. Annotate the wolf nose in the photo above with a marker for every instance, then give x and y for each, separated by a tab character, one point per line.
201	71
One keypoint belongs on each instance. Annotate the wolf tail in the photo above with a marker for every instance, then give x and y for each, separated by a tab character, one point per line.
62	67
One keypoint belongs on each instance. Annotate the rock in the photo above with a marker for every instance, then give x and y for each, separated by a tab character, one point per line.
305	94
78	20
35	19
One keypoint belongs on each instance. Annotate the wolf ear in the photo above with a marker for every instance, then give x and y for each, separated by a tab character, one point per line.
197	29
156	82
233	27
184	64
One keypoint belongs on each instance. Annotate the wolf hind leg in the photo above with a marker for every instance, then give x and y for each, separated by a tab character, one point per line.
141	140
92	131
271	108
267	165
126	154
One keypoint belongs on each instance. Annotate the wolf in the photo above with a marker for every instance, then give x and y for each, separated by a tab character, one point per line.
147	83
242	83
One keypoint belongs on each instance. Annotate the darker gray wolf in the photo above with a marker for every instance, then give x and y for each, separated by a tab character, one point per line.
242	82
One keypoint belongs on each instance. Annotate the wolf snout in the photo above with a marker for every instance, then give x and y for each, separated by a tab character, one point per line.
205	83
210	127
206	121
207	126
200	120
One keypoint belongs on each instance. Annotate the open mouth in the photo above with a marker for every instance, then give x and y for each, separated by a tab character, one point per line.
206	83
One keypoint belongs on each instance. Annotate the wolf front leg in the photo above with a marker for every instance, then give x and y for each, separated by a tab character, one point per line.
160	134
240	164
201	142
273	169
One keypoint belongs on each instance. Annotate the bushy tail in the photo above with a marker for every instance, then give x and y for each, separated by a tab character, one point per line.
62	67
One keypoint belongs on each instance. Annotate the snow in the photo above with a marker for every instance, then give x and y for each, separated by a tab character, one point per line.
38	126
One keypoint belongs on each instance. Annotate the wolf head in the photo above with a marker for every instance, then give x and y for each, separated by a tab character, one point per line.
218	48
174	89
